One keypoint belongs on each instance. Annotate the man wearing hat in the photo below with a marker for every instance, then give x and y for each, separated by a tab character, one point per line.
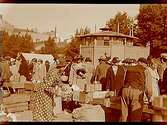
101	72
115	76
137	82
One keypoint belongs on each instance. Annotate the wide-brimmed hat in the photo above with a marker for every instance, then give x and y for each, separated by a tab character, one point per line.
88	59
109	61
103	58
12	60
116	60
7	57
143	60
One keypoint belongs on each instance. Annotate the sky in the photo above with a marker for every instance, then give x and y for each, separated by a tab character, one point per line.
66	17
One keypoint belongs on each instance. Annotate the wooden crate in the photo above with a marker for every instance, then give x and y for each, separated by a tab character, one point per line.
18	108
24	116
16	98
21	91
63	117
102	101
98	87
85	97
28	92
160	101
99	94
17	85
29	86
16	105
89	87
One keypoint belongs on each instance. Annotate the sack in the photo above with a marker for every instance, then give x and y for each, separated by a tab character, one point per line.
57	105
64	78
89	113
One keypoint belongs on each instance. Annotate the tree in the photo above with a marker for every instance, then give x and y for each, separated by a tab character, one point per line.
124	21
73	47
17	43
152	24
29	46
50	47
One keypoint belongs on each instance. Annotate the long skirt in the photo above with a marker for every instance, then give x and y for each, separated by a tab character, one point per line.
41	104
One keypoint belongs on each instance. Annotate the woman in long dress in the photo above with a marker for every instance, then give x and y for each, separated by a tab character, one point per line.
154	78
77	75
89	69
42	71
41	102
35	77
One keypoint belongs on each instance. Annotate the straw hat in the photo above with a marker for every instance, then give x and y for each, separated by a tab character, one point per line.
116	60
103	58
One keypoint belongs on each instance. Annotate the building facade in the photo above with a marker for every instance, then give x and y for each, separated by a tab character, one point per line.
111	44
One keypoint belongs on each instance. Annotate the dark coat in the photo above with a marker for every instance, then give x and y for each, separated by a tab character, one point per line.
165	79
115	82
100	74
24	68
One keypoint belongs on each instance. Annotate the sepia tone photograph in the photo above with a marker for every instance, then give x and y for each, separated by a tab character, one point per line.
83	62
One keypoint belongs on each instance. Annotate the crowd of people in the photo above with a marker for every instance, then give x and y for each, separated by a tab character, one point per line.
12	69
135	81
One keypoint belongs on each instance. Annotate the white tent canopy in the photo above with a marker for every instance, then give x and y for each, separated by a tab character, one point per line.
44	57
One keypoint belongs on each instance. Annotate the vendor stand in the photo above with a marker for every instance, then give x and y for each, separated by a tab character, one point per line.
111	106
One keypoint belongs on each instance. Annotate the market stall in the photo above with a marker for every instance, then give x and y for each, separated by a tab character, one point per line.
92	100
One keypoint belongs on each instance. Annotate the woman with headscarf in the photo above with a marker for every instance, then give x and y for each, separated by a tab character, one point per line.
41	102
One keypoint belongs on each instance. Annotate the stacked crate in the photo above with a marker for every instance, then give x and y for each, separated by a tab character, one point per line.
86	93
17	104
92	94
159	104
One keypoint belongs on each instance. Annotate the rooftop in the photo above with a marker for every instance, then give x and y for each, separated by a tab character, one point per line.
107	33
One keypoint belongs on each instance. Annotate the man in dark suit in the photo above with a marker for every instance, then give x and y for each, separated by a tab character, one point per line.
115	76
100	72
137	82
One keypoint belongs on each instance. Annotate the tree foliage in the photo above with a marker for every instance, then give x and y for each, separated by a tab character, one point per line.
17	43
50	47
152	24
72	48
125	23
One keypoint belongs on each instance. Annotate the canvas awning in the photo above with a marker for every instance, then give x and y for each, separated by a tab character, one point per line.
44	57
